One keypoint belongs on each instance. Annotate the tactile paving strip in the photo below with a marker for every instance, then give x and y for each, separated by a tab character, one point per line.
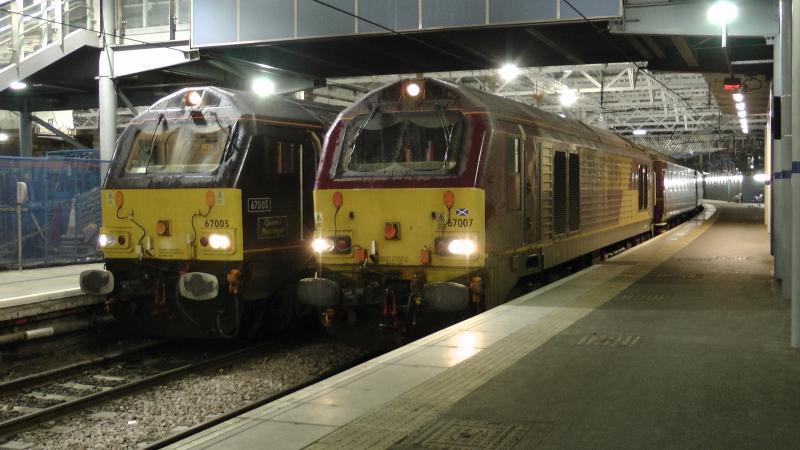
415	409
448	433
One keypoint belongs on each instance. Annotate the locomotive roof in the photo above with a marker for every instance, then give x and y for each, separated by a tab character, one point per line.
503	108
243	102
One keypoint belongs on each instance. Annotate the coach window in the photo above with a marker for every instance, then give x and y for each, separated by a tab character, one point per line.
514	175
574	200
559	193
642	184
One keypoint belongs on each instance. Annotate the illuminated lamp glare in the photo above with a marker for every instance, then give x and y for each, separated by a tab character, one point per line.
219	242
322	245
742	114
568	97
193	98
103	240
722	13
760	177
3	137
508	72
740	106
463	247
743	123
738	97
18	85
263	87
413	89
639	132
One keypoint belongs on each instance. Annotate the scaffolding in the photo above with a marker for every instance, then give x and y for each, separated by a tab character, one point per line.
61	219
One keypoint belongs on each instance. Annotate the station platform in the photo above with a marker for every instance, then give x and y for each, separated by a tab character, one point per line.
31	292
681	342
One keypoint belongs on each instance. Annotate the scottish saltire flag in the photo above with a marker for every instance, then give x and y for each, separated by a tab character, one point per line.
462	211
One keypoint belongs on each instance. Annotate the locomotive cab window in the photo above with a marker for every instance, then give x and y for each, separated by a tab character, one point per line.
180	146
397	144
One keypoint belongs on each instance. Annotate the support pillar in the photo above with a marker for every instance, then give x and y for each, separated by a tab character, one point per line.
783	155
25	134
795	175
107	101
777	181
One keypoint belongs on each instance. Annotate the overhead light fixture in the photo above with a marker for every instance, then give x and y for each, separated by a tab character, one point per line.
18	85
740	106
568	97
722	13
742	114
738	97
639	132
263	87
3	137
508	72
760	177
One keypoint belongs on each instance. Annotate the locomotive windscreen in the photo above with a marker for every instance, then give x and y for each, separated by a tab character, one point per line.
398	144
191	145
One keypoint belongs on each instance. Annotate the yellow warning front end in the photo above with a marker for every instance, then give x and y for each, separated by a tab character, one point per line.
172	224
439	232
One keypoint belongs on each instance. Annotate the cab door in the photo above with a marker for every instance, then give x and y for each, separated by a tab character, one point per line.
276	181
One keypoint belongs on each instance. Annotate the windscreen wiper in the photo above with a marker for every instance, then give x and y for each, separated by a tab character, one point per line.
228	130
161	118
447	135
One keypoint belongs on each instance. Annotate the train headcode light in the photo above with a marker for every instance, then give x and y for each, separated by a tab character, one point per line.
192	99
413	89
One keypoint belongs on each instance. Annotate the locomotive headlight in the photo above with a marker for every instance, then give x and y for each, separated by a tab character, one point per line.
219	242
321	245
104	240
464	247
413	89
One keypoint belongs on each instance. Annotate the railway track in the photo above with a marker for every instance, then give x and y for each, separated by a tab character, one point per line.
29	401
310	381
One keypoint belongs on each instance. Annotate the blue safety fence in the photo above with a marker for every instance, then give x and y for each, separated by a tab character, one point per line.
61	219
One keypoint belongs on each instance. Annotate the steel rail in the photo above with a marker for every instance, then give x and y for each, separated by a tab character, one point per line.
173	438
17	424
9	387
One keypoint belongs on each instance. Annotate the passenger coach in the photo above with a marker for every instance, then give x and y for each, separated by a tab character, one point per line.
435	198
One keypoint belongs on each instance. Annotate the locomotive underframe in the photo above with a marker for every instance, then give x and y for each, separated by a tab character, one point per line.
146	300
391	302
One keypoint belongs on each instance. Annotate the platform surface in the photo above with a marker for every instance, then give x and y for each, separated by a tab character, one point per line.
681	342
22	289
